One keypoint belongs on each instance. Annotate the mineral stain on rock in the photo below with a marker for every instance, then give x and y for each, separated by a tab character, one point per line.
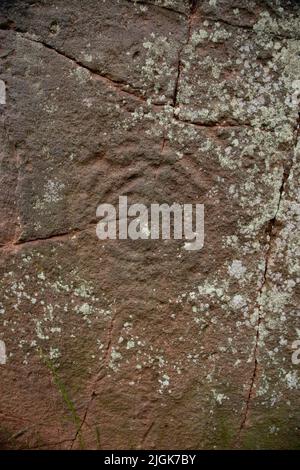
131	344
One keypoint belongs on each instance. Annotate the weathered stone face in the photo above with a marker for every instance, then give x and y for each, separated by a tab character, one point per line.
143	344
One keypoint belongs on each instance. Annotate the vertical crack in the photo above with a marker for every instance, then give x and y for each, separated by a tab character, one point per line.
17	198
162	147
99	377
271	236
146	434
180	64
15	165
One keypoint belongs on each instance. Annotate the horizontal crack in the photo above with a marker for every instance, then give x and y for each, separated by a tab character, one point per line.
228	23
251	28
13	245
118	86
50	444
104	78
218	125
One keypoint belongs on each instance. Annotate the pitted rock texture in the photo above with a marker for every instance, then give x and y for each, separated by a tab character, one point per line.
143	344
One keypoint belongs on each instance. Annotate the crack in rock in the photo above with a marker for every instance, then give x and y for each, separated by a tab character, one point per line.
15	244
118	86
180	65
271	237
100	375
146	434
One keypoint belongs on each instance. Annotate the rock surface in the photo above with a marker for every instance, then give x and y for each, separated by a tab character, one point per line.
143	344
